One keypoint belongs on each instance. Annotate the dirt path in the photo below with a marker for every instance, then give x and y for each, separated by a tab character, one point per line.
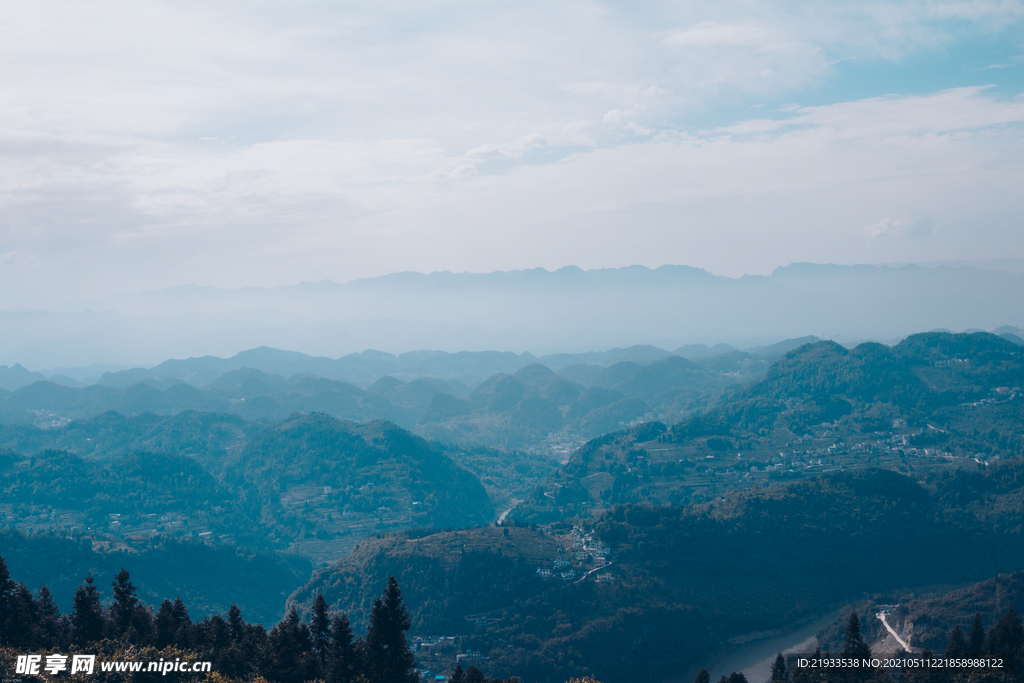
881	615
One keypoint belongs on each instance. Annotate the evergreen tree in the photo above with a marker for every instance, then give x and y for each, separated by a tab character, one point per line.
166	627
855	647
235	623
702	677
124	604
957	646
289	649
24	614
320	629
458	676
976	643
1006	636
217	635
345	659
474	675
140	626
87	616
389	659
779	668
7	625
49	618
180	613
182	624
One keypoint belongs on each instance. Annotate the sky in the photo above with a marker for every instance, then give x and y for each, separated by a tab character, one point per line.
152	144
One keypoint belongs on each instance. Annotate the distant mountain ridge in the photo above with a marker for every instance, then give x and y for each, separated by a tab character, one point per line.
490	399
487	398
545	311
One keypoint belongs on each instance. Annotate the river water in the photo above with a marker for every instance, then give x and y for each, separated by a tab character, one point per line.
754	660
504	514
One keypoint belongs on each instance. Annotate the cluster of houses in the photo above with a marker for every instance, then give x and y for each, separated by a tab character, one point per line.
431	643
584	548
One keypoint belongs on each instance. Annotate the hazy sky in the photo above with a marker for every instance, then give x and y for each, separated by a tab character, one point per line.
147	144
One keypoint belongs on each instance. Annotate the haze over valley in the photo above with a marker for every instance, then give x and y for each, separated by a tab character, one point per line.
568	310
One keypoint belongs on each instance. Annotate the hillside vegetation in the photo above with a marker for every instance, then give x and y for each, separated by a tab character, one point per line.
485	399
686	579
311	484
935	401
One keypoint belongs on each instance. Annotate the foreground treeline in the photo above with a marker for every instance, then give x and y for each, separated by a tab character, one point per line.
323	648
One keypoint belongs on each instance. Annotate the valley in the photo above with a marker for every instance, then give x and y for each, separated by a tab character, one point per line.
664	545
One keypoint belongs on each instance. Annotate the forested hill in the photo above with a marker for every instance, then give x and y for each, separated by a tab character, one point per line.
662	589
926	621
935	400
311	484
362	468
209	578
485	399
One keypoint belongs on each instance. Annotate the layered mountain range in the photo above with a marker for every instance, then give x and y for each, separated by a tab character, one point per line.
545	311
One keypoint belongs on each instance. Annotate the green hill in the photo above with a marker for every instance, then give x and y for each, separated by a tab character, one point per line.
935	401
371	469
686	579
311	484
208	578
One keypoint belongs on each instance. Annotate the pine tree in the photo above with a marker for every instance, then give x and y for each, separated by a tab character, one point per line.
345	660
702	677
124	604
217	632
976	643
320	628
289	649
855	647
284	652
166	627
87	616
182	623
140	626
1006	636
236	623
458	676
49	618
180	613
389	659
779	668
7	626
24	615
474	675
957	646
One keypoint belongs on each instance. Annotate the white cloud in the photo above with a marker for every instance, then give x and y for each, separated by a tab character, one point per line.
904	226
510	150
575	131
618	115
712	34
632	127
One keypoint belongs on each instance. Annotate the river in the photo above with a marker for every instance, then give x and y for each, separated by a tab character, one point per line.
503	515
754	660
